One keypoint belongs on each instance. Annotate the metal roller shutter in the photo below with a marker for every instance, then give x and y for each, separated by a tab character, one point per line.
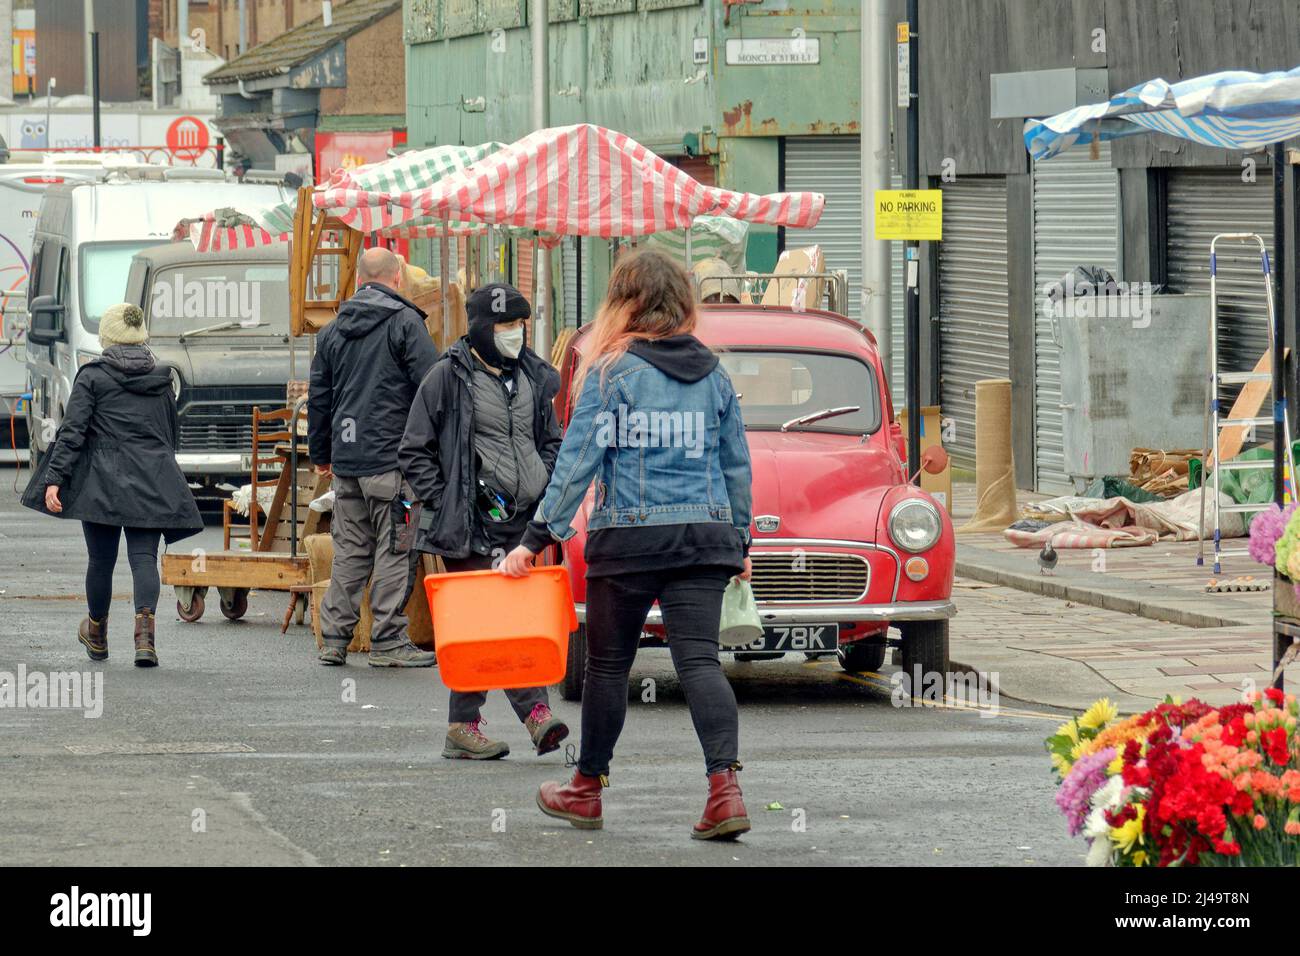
897	319
525	251
974	330
831	165
569	274
1202	203
1076	223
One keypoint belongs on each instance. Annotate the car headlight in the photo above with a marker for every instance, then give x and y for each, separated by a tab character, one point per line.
914	525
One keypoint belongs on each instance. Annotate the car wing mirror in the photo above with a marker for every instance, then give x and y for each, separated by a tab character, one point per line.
934	460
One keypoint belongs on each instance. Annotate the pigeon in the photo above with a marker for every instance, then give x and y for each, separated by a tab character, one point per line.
1047	558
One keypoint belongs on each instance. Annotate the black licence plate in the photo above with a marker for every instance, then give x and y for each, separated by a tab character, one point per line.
796	637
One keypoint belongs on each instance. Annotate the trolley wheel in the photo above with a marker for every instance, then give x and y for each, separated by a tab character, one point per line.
234	604
194	610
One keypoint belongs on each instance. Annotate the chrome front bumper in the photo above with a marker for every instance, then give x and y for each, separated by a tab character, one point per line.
216	463
832	614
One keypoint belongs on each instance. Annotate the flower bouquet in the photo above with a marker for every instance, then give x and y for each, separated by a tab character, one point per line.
1274	536
1183	784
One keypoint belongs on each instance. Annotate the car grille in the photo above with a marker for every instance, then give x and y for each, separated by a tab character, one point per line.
221	419
800	576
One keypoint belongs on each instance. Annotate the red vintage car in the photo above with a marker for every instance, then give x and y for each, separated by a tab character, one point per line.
843	544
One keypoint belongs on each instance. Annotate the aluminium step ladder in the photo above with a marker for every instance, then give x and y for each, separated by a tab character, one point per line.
1216	422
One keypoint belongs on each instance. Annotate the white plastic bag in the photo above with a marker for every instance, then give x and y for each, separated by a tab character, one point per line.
740	625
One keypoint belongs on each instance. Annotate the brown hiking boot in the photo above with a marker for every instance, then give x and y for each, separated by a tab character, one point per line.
145	655
94	637
466	742
546	729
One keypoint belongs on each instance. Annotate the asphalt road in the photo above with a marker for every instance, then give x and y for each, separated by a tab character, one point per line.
275	767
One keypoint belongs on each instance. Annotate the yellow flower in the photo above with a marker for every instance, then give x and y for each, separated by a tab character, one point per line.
1070	729
1099	714
1129	833
1061	764
1116	765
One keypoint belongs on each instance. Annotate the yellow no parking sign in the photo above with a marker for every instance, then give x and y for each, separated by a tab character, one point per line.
909	214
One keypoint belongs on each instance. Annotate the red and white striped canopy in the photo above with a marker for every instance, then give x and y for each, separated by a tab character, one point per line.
579	180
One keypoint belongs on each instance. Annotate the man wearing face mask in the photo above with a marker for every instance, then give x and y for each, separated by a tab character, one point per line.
479	447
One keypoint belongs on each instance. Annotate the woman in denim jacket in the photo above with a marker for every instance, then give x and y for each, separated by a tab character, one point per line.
657	424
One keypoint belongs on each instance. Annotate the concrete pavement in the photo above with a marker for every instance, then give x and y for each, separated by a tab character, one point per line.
1134	624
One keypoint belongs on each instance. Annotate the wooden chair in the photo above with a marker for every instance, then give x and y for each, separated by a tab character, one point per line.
266	456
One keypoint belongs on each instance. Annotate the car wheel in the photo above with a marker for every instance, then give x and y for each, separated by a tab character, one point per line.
924	644
575	670
862	656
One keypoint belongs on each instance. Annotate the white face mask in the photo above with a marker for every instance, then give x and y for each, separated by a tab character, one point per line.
511	343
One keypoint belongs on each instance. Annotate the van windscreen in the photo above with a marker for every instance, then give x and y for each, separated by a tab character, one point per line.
198	295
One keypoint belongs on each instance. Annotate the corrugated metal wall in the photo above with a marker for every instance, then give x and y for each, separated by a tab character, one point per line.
974	329
1076	223
1202	203
831	165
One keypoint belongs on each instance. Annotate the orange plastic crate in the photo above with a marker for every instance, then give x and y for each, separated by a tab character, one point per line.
492	632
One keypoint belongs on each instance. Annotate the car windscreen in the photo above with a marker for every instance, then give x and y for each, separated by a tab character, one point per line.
104	270
777	386
195	295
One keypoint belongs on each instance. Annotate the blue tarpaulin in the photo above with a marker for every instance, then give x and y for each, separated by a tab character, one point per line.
1231	110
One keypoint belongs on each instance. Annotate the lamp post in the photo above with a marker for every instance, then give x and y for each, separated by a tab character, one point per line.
50	84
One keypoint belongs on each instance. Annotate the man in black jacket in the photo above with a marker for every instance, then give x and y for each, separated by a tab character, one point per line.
479	448
369	362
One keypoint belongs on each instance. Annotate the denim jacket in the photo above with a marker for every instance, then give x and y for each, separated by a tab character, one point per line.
662	451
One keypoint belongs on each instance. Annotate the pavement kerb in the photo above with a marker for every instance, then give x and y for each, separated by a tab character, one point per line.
1118	595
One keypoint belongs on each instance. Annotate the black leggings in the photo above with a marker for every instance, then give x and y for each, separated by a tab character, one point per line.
141	550
691	602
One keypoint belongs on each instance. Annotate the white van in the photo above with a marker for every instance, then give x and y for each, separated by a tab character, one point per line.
86	237
22	184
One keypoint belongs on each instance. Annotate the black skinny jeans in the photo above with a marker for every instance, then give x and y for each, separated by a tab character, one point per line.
691	601
141	550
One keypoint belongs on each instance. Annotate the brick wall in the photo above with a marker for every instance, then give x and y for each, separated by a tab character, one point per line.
376	72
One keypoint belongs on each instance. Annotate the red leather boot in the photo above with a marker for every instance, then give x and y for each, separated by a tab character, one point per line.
577	801
724	815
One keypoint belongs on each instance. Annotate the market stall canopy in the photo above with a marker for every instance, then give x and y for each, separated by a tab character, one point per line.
579	180
712	237
412	170
1231	110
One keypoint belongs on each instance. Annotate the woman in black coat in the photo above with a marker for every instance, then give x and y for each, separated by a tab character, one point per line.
113	467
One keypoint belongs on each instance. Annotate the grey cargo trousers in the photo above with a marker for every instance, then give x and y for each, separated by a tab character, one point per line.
364	536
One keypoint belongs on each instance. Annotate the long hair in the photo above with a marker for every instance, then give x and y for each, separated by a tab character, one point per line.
650	296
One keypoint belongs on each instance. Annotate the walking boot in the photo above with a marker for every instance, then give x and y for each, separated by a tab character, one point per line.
546	729
724	815
333	653
145	655
94	637
467	742
577	801
403	655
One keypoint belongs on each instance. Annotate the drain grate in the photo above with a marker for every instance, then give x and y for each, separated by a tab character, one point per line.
153	749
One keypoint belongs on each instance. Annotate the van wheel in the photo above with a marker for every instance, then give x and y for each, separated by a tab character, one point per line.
575	670
924	644
862	656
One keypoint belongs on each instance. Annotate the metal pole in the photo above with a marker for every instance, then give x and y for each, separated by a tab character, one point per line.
912	266
94	89
1280	433
88	25
538	17
444	281
182	40
243	27
50	84
876	312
